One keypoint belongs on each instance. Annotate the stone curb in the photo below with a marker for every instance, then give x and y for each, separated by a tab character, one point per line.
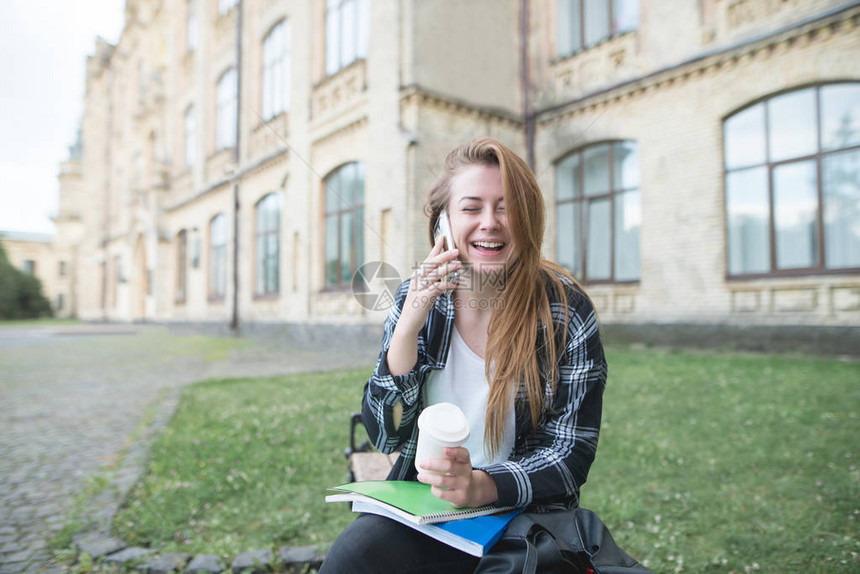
111	554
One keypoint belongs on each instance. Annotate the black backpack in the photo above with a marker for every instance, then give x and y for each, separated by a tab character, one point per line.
563	542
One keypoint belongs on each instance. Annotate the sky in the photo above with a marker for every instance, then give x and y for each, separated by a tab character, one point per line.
43	50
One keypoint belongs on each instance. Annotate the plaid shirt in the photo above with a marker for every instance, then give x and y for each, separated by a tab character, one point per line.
549	463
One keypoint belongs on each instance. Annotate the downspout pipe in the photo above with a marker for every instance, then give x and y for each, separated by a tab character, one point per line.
234	321
528	114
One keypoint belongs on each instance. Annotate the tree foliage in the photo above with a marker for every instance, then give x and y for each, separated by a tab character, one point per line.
20	293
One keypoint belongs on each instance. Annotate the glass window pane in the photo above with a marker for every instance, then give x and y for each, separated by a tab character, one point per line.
567	175
840	116
332	38
260	263
358	222
348	29
625	15
745	138
598	244
363	28
596	21
795	198
332	192
568	40
596	166
567	234
748	214
792	125
331	244
346	240
626	168
841	186
628	220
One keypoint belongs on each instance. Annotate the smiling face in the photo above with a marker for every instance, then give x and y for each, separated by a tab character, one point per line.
476	208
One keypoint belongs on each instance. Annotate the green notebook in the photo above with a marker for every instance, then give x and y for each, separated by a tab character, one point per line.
411	500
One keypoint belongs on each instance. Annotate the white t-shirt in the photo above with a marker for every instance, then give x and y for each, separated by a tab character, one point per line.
463	383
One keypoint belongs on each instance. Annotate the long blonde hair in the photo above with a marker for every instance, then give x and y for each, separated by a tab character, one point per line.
514	329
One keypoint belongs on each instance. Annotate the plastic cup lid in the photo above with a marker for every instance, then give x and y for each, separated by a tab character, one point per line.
445	422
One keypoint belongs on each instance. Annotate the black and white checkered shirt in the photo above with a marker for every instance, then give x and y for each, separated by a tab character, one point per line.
549	463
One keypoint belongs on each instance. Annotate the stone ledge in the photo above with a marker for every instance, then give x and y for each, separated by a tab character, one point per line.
111	554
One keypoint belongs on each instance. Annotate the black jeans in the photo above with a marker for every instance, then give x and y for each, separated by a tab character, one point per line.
375	544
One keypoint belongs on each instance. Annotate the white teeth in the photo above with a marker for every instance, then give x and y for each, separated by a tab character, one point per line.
488	244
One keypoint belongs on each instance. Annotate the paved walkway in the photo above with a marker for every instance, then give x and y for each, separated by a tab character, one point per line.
73	401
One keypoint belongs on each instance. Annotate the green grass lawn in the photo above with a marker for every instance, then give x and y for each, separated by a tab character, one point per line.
708	462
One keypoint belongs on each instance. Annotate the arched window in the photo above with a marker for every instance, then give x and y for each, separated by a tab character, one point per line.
344	224
599	212
276	71
268	241
792	181
227	96
218	257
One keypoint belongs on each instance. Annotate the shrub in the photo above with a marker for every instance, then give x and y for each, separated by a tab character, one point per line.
20	294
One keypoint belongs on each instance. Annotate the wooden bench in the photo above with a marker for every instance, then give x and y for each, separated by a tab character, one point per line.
365	463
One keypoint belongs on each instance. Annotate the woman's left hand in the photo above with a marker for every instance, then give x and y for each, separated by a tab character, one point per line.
453	479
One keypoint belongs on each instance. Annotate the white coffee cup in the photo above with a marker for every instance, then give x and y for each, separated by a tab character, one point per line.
439	426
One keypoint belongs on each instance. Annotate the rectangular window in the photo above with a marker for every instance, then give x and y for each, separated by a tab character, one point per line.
61	271
29	267
181	266
276	71
190	124
795	199
191	26
749	239
227	110
218	257
841	183
582	24
347	33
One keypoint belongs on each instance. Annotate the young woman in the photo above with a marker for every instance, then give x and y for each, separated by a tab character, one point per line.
514	341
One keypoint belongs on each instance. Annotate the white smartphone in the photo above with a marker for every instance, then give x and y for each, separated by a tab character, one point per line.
443	228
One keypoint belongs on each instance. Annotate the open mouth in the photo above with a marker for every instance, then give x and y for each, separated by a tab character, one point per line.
488	246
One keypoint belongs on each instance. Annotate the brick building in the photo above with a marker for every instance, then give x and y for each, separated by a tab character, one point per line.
700	159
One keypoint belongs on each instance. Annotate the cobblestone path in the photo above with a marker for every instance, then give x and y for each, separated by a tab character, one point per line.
73	401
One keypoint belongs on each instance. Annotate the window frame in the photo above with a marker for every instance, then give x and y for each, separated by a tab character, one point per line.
181	267
279	63
353	210
217	286
360	35
817	158
191	29
270	201
581	20
226	109
613	195
189	127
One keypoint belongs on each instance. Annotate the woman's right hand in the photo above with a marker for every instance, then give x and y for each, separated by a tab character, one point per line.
428	281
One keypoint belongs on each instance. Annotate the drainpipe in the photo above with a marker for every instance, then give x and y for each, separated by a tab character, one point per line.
528	115
234	321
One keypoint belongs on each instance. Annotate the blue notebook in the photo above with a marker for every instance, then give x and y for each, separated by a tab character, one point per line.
474	536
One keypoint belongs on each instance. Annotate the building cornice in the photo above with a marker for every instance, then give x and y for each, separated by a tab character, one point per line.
235	178
815	28
416	93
